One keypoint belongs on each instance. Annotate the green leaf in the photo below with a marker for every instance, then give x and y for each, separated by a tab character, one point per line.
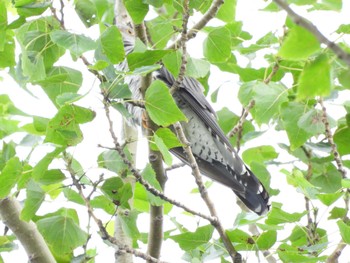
341	138
344	28
33	65
243	240
191	240
37	45
161	106
172	62
8	151
299	44
63	129
61	233
197	68
31	9
237	34
146	58
112	44
7	51
217	45
87	11
288	253
141	200
116	90
112	161
168	137
345	183
268	99
137	9
227	120
8	108
309	86
329	199
227	11
35	197
163	149
291	112
311	122
60	80
73	196
297	179
104	203
329	180
76	44
128	221
161	30
278	216
266	240
143	71
9	176
264	176
259	154
53	176
111	187
8	127
344	231
337	213
150	176
3	25
42	166
68	98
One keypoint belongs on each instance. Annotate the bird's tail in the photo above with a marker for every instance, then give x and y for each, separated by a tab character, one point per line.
254	196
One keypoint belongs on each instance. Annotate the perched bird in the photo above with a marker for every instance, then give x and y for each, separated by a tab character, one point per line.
215	156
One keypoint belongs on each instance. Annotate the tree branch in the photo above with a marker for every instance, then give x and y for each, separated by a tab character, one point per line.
137	174
301	21
236	257
329	136
26	232
121	248
210	14
183	41
337	252
239	126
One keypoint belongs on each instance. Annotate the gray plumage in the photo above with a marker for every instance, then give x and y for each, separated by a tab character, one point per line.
214	154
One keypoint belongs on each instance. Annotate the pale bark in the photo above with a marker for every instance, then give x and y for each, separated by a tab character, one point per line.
26	232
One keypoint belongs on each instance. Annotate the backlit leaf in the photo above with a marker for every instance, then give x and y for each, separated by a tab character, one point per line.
191	240
311	86
76	44
9	176
298	44
61	233
161	106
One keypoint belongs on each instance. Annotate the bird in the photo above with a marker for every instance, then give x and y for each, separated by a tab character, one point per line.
215	156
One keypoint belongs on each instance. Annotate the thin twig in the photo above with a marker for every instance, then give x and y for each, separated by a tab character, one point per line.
183	40
275	68
337	252
255	232
137	174
103	231
175	166
236	257
211	13
303	22
329	136
239	125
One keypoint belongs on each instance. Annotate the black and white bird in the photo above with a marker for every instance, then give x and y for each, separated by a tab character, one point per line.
216	157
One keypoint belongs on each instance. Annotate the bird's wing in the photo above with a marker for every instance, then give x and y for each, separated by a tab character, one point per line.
232	172
192	92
